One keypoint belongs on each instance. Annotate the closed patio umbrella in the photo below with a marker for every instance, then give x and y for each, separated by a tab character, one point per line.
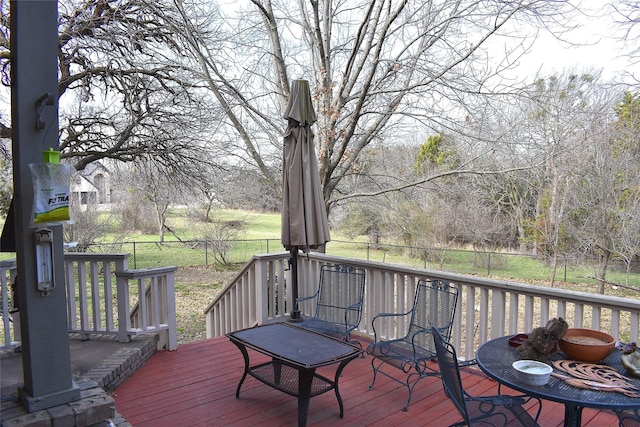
304	217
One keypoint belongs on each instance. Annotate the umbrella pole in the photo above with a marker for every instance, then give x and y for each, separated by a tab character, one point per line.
295	313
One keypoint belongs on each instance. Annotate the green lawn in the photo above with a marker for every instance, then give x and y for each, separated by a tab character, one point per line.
260	233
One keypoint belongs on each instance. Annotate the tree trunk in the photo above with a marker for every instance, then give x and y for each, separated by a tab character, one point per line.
554	268
603	263
160	220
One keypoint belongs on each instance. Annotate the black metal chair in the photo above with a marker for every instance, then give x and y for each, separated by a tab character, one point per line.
498	410
628	417
434	304
339	301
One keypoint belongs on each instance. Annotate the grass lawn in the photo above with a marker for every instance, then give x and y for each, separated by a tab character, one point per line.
259	233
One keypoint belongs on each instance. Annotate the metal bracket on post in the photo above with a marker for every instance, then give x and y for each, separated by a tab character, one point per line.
43	101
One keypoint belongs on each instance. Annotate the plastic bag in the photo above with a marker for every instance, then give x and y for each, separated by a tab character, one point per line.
51	193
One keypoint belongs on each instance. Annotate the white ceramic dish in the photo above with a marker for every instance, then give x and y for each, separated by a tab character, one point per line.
532	372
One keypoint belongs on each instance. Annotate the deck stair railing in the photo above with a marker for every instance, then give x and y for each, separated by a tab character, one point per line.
256	293
487	308
103	297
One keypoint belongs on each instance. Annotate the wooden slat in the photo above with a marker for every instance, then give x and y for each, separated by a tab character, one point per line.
196	384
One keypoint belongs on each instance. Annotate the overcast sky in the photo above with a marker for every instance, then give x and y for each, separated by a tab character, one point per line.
595	47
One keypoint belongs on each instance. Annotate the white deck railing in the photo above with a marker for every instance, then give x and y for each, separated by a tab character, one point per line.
486	308
156	311
103	297
10	317
92	292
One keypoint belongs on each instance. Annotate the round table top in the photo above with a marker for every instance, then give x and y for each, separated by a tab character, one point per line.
495	358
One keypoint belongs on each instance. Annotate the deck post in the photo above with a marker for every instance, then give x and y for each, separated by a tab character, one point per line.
122	296
34	128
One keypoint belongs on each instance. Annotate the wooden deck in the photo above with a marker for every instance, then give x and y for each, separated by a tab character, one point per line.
196	385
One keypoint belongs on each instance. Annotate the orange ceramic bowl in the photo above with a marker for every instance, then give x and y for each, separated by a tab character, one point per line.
586	345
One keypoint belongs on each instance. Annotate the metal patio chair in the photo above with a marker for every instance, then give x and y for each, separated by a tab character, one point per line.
339	300
628	417
409	356
498	410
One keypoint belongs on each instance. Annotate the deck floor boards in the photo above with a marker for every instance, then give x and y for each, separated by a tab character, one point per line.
196	385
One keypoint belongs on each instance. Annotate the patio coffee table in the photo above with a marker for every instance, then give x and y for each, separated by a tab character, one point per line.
496	356
295	354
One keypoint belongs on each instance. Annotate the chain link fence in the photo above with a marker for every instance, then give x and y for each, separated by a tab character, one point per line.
230	253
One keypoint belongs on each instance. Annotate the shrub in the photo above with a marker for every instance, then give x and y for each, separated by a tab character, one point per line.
88	226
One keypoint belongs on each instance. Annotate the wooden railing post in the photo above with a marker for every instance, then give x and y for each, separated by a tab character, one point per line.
122	298
262	288
10	318
170	310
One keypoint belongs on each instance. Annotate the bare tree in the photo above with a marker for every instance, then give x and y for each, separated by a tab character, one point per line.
219	237
122	92
607	196
6	180
595	206
158	186
563	113
628	14
88	226
378	69
133	69
629	237
625	141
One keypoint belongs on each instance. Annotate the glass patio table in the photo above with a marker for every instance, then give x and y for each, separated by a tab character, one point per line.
295	354
495	358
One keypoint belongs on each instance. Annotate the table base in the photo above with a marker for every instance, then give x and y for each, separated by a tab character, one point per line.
292	368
